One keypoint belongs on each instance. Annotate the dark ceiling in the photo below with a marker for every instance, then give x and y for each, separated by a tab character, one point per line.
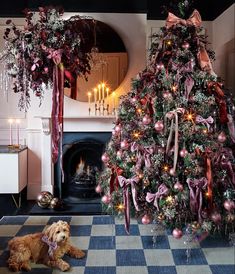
209	9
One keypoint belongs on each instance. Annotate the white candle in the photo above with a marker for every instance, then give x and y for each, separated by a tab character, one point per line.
11	121
114	99
95	94
18	131
89	99
107	92
103	86
99	89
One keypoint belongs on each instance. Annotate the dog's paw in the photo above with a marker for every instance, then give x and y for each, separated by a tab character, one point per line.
80	254
25	267
14	267
64	266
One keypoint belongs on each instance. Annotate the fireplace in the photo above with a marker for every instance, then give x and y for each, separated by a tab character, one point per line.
81	164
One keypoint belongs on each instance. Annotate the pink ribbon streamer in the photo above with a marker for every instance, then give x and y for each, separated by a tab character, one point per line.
231	127
223	157
124	183
162	190
170	115
196	186
207	121
188	85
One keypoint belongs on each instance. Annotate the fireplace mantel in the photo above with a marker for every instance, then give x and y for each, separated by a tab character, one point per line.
71	124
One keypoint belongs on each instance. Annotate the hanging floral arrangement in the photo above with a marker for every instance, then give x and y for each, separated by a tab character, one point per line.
46	39
48	52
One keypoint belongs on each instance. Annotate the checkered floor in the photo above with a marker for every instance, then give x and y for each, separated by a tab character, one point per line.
109	250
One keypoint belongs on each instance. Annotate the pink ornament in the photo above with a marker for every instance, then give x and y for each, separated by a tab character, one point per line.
177	233
160	66
146	120
119	153
46	69
229	205
105	158
216	217
146	219
178	186
159	126
98	189
172	172
185	45
222	137
183	152
133	99
124	144
106	199
118	128
167	95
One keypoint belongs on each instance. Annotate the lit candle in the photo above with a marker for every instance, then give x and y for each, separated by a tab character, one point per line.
89	99
114	99
107	92
103	86
18	131
95	94
11	121
99	89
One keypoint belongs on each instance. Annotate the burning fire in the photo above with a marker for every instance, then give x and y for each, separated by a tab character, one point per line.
80	166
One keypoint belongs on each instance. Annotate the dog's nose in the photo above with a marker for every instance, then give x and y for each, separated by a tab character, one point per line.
63	237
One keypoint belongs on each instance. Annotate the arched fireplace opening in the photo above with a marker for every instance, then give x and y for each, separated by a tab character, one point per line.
81	163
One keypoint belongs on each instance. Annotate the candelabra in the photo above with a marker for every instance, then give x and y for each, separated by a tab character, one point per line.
103	103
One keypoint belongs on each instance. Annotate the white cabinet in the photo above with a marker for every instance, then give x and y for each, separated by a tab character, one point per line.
13	170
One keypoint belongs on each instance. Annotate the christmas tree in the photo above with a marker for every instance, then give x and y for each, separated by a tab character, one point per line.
170	159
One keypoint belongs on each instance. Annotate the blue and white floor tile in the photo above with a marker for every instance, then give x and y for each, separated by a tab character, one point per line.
110	251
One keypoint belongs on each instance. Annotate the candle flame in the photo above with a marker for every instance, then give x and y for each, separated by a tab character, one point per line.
11	121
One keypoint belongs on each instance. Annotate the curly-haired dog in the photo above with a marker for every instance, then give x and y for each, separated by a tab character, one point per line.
47	247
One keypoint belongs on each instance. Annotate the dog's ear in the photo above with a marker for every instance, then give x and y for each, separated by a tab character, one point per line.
49	231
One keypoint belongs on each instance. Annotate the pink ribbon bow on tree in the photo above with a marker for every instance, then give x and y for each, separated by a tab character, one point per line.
124	184
196	186
194	19
143	153
162	191
207	121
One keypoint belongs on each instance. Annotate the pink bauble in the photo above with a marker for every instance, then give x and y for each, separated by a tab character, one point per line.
159	126
146	219
106	199
167	95
229	205
185	45
172	172
177	233
183	152
216	217
98	189
146	120
105	158
119	153
133	99
178	186
46	69
222	137
124	144
117	128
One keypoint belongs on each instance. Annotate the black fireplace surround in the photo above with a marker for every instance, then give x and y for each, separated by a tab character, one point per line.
82	153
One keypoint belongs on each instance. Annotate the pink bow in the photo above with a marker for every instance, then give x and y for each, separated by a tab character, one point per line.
194	19
143	153
55	55
207	121
124	183
52	245
162	190
196	186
